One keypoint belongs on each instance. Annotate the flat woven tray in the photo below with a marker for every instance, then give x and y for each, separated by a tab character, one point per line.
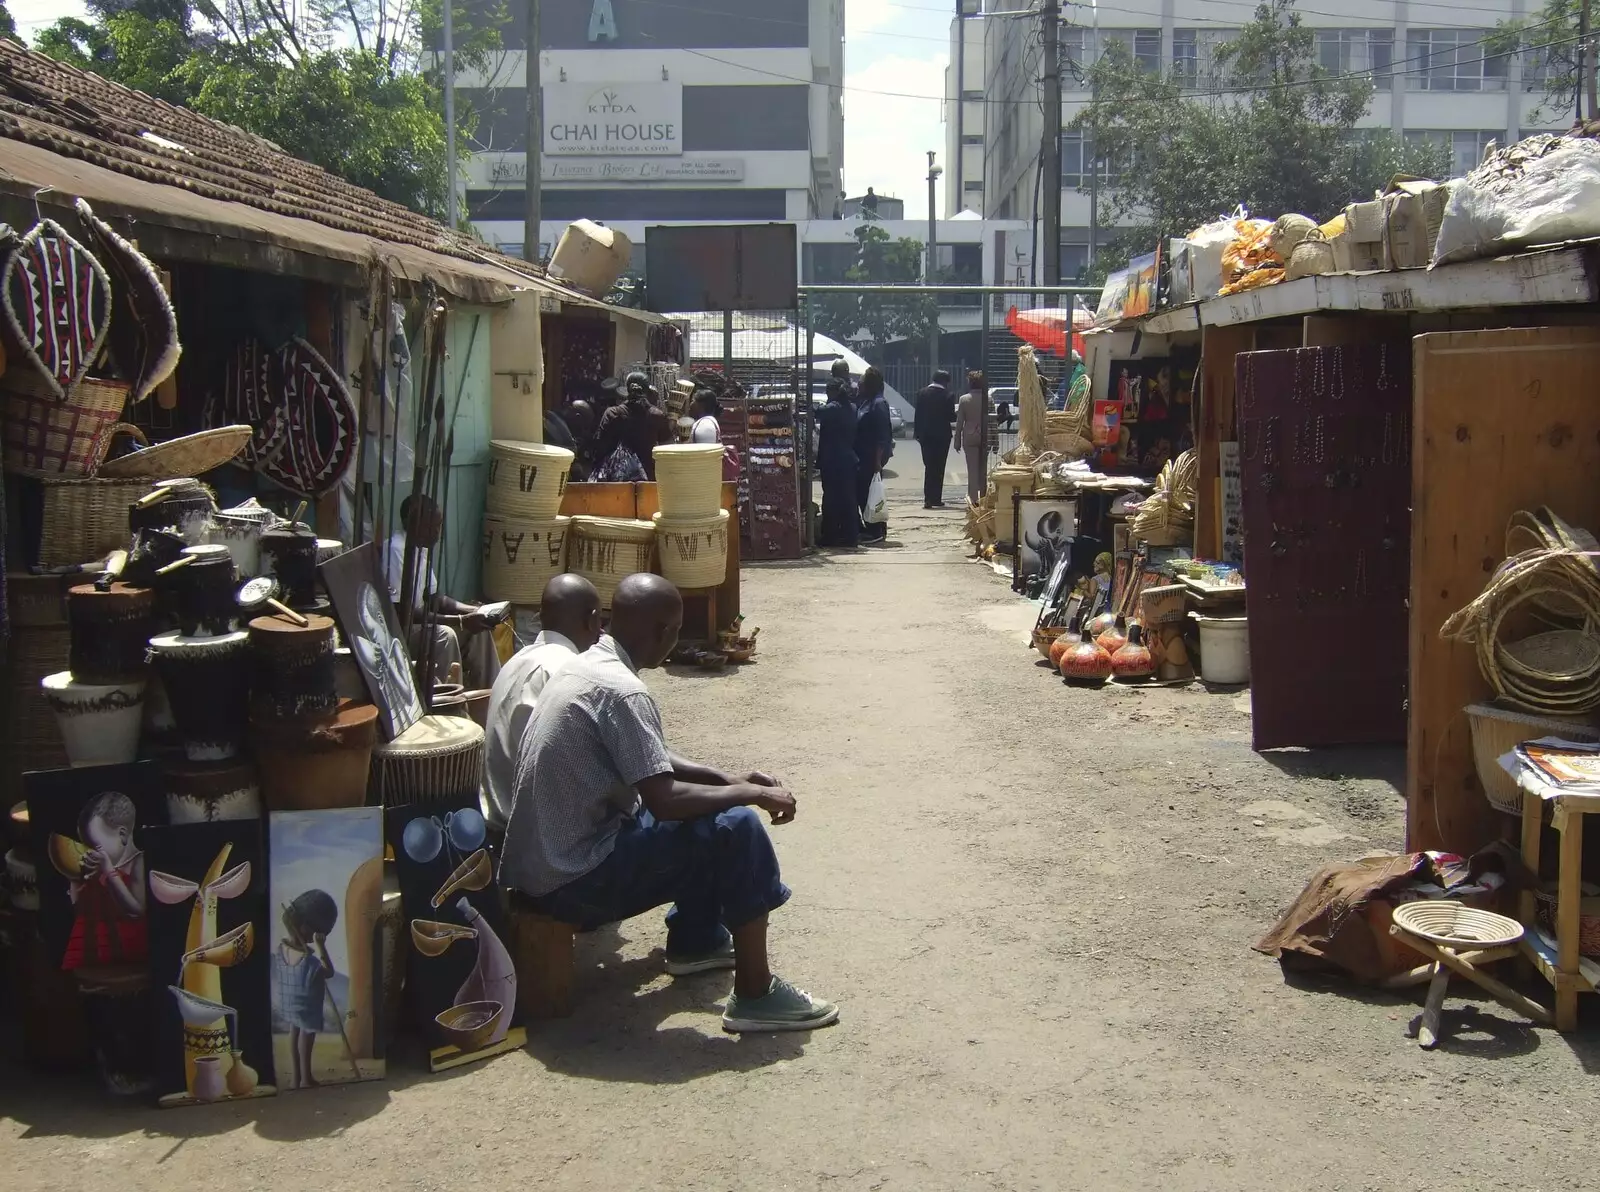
1451	925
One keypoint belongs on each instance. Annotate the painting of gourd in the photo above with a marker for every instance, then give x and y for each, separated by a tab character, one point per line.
459	973
207	920
326	949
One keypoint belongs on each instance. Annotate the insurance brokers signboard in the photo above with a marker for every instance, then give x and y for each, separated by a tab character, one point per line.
613	119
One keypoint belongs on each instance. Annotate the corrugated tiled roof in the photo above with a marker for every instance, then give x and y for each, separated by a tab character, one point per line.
81	115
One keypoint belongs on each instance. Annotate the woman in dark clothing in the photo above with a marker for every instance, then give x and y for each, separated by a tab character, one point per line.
836	463
638	425
874	446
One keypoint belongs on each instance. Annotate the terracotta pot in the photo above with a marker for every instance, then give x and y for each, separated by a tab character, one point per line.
1133	662
1084	662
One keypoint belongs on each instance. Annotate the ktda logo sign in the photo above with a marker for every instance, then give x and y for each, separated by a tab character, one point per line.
607	102
602	22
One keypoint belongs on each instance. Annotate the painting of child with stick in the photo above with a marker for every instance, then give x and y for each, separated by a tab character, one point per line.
327	964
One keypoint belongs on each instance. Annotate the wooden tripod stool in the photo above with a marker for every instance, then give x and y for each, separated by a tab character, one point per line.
1457	939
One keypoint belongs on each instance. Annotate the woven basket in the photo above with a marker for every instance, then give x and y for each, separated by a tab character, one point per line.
86	519
1044	638
42	435
37	601
694	551
606	550
689	480
1452	925
29	736
1588	919
1497	731
192	455
520	557
527	480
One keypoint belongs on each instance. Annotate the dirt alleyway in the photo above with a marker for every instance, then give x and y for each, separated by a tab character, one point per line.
1034	906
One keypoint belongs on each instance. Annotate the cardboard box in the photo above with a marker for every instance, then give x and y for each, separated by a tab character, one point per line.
1364	221
1411	224
1353	256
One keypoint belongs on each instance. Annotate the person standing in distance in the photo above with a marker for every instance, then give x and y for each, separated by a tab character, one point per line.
936	410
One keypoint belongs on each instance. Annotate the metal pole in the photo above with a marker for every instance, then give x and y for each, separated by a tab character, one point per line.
533	171
727	344
933	260
1094	158
451	208
1052	142
961	108
1586	60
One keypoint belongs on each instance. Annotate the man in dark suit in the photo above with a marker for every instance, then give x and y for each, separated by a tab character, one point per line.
936	411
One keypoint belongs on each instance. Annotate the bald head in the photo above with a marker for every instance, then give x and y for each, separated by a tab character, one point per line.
571	607
646	616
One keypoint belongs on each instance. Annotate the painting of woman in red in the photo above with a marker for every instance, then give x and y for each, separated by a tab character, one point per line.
105	881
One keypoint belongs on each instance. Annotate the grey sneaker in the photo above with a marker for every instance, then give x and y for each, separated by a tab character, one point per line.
782	1008
706	962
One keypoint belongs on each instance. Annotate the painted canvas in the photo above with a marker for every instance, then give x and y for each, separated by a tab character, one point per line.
368	622
326	953
459	972
1047	526
88	831
208	962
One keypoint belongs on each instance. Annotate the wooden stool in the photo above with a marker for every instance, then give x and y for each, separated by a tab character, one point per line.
541	951
1457	939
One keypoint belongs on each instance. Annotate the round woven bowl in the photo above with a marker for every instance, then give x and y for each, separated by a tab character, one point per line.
689	480
1451	925
192	455
527	480
694	551
520	556
606	550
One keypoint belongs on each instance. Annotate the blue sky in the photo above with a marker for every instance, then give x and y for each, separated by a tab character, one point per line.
890	45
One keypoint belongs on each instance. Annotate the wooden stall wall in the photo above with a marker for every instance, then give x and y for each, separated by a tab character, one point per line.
1218	350
1504	420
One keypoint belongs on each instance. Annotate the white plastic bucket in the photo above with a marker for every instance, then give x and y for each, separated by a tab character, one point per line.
1224	649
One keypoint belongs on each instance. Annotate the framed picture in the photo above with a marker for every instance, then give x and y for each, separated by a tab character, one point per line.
1046	527
368	621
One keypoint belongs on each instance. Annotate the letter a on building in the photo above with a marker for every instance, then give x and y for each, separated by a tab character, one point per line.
602	22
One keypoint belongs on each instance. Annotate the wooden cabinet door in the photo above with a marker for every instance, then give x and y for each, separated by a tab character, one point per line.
1325	457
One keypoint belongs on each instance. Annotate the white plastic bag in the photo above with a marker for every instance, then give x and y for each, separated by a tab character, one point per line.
876	512
1543	190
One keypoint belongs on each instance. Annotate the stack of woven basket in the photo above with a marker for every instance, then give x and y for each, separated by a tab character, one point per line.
1536	624
1166	517
524	536
692	527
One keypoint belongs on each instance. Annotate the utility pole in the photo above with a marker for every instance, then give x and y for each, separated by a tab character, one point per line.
933	257
451	208
1586	59
1051	148
961	107
533	172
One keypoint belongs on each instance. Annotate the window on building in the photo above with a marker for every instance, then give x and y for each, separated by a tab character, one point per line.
1466	147
972	96
972	138
1540	64
826	264
1358	51
1077	163
1454	60
970	185
1074	255
1144	45
1194	52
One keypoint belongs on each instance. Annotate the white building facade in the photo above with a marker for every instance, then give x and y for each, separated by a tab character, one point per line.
1436	76
698	111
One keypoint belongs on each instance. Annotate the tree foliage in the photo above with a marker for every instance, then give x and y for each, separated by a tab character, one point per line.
872	320
344	84
1272	130
1551	47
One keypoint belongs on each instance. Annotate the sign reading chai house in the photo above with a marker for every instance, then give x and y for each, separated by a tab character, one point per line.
613	119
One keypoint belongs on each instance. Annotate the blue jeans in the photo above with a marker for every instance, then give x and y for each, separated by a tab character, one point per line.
719	871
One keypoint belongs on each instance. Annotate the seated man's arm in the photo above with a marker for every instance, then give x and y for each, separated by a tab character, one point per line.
668	797
703	775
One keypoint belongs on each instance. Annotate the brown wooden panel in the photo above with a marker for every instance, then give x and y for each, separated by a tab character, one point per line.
1504	420
599	500
1324	464
1218	350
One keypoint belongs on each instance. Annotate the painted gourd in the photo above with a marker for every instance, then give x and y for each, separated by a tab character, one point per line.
1100	624
1084	662
1059	647
1133	660
1113	639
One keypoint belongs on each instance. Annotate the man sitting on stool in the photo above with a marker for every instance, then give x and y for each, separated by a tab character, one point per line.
569	623
607	823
